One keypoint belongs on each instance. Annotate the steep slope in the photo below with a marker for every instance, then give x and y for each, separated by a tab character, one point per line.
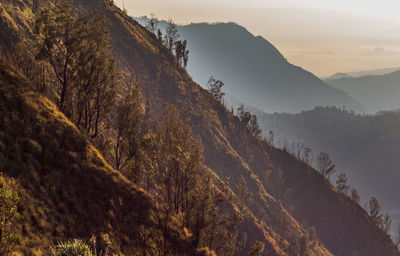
67	190
376	93
254	71
231	151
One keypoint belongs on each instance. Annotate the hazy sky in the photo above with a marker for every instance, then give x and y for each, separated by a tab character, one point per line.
322	36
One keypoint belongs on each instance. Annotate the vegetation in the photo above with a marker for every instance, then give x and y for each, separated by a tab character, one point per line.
249	120
78	53
215	88
342	186
192	179
325	165
73	248
8	211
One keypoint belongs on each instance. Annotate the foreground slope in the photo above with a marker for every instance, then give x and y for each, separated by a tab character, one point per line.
67	190
281	185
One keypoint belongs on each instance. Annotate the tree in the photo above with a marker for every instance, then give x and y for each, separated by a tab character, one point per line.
78	50
215	88
171	35
325	165
243	114
386	223
271	138
354	195
59	35
128	132
256	249
307	155
254	127
375	211
8	209
341	184
181	53
152	24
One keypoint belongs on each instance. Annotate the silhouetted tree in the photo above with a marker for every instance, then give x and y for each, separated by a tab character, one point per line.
171	35
386	223
341	184
307	155
375	211
325	165
243	114
182	53
152	24
215	88
271	138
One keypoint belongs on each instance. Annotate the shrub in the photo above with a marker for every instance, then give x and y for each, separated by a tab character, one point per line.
73	248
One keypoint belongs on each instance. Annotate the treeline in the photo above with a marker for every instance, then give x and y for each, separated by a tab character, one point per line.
332	122
70	60
170	39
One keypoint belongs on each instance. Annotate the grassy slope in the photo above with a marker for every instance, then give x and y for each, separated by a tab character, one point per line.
230	151
66	187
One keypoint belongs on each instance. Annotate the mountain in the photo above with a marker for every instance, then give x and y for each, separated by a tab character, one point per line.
338	76
375	92
374	72
254	71
294	210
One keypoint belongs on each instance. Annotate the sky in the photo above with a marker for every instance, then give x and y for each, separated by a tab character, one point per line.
322	36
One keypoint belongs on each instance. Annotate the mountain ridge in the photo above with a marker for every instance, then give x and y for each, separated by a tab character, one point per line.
254	70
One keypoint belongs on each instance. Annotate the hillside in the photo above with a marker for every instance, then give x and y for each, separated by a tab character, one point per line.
375	92
254	71
362	146
67	190
289	197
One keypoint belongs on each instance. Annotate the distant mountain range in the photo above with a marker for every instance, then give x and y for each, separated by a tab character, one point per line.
254	71
372	72
375	92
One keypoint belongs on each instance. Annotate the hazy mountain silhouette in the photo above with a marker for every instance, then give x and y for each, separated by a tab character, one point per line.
338	76
254	71
376	93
